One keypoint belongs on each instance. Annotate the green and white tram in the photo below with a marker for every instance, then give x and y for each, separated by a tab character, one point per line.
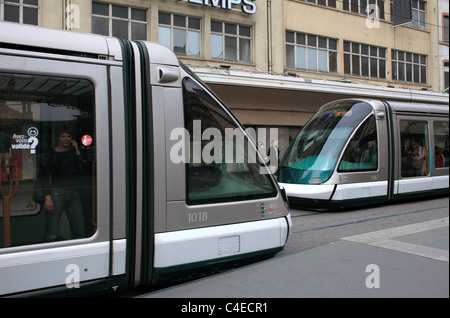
356	152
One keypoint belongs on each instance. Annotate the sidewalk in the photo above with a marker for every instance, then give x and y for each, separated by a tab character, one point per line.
407	261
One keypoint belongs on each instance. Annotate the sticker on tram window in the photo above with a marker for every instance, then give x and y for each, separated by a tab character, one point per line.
86	140
25	142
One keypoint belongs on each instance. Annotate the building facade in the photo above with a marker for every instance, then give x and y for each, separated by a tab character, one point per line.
275	62
443	40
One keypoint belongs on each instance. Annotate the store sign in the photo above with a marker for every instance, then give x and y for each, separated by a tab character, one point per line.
248	6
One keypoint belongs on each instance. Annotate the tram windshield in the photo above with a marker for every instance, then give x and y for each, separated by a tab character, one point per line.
312	156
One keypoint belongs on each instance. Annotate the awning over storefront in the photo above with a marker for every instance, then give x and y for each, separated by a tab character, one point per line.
259	98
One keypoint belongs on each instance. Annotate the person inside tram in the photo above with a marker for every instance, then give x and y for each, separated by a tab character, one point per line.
419	158
262	150
370	153
274	156
438	158
58	177
407	151
445	153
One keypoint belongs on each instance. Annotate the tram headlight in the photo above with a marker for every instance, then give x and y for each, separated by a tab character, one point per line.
315	181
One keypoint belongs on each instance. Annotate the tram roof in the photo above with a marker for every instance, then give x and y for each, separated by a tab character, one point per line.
419	107
56	40
45	40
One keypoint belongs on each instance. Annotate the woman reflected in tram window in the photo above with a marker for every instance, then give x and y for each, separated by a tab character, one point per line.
59	171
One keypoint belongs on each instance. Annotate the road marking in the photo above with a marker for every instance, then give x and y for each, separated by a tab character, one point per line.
384	239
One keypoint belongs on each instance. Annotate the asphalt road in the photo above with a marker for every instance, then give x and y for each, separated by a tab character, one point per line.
316	228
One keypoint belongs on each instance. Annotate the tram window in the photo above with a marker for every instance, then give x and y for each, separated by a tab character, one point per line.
415	148
441	144
314	152
361	153
212	175
42	123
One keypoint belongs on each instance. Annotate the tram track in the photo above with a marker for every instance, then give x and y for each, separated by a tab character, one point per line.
307	221
360	221
303	215
311	229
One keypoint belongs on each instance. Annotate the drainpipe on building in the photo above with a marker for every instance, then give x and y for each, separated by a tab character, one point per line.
269	35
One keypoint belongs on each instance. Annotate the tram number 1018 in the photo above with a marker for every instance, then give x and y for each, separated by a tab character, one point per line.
197	217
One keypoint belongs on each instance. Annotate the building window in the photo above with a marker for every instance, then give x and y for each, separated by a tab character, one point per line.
445	29
231	42
418	14
365	7
364	60
180	33
119	21
409	67
20	11
311	52
327	3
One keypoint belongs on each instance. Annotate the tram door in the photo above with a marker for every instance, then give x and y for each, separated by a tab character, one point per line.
55	197
414	155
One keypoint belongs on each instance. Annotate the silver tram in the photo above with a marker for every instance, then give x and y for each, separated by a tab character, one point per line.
99	189
355	152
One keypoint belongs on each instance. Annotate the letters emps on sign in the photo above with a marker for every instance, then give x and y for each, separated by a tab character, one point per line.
248	6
